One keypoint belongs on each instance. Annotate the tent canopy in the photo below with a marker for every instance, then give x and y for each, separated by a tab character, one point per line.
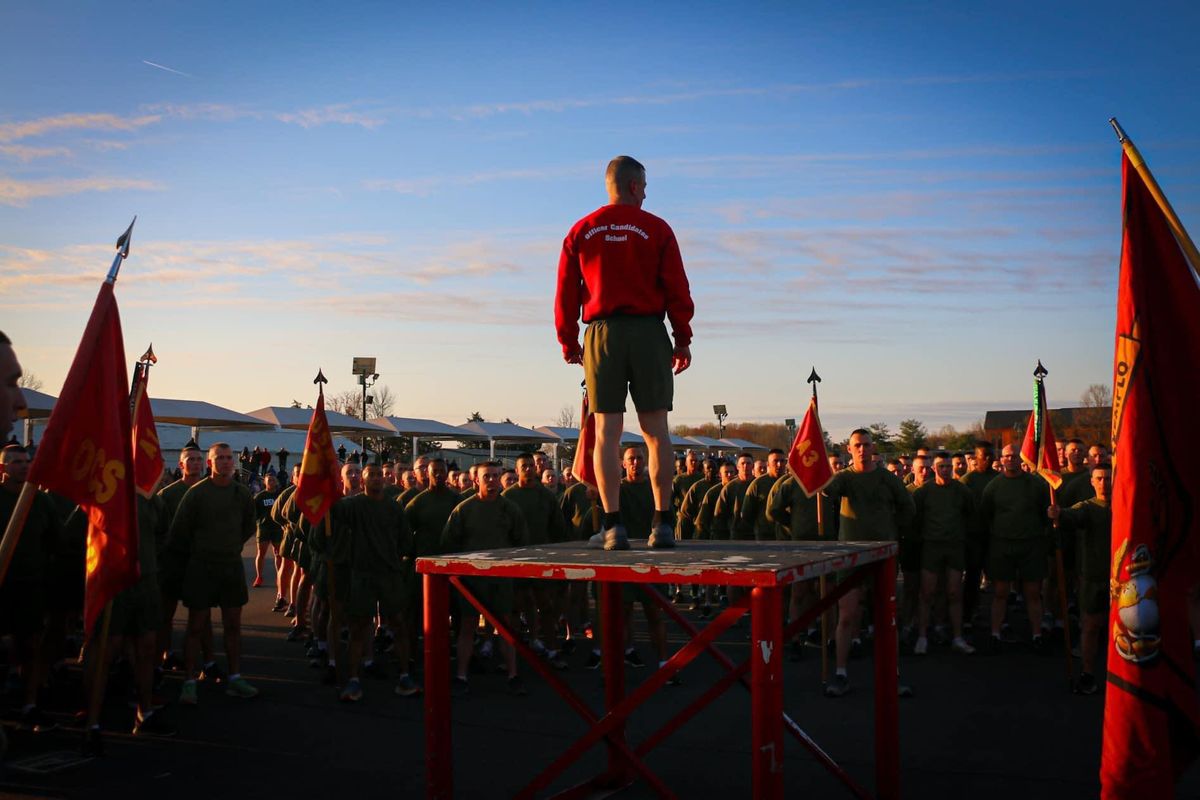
299	419
199	414
38	404
567	435
504	432
742	444
418	428
706	443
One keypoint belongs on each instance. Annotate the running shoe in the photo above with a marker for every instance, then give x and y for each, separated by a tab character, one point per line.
614	538
407	687
593	660
213	673
280	604
153	725
959	645
459	687
838	687
662	537
240	687
921	647
257	583
634	659
353	691
1087	684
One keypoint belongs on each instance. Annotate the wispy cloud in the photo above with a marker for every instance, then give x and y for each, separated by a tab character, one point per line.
26	153
15	131
339	114
165	69
17	193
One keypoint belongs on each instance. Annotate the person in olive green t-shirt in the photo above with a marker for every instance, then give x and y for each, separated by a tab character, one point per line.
727	517
1090	523
420	475
540	600
1013	507
486	521
689	505
379	546
874	505
427	514
214	520
684	481
977	479
268	534
754	503
945	512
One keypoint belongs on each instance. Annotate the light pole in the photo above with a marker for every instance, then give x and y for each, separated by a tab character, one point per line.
364	368
721	415
791	426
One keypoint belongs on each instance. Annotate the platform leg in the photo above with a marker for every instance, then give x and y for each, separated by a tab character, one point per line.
439	766
612	644
887	714
766	691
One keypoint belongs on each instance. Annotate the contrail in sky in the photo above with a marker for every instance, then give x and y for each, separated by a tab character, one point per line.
165	69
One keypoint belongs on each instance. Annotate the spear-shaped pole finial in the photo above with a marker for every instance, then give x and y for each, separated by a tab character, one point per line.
814	379
148	357
1040	372
1116	126
320	377
122	252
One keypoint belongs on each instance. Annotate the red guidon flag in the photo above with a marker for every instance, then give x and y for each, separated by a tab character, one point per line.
147	455
320	481
1040	450
87	455
807	459
1151	719
584	467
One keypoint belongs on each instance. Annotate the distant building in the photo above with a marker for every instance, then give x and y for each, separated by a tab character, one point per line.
1088	423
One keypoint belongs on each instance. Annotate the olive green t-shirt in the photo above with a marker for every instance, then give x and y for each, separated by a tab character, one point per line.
689	508
408	494
682	484
1076	487
1091	523
637	508
153	527
873	505
213	522
392	491
35	549
171	494
727	517
427	514
477	524
754	508
705	525
978	481
1015	508
539	506
944	512
376	533
795	513
578	511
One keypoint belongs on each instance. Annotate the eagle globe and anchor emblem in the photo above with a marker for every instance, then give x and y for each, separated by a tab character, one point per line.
1135	631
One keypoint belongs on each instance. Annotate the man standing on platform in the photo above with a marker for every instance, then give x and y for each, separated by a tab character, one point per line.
874	506
621	267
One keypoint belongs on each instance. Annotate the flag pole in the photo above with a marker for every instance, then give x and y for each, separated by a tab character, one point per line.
1039	377
335	622
16	522
814	379
1143	169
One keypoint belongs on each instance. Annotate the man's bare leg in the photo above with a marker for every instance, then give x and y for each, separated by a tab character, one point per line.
999	605
661	457
847	627
1033	605
606	459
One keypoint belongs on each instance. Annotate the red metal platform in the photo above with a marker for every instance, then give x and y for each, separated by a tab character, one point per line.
764	567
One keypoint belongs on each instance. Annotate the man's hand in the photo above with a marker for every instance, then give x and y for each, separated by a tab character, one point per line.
681	359
1053	512
574	355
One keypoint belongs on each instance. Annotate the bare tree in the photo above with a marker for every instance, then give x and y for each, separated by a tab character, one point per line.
1098	395
383	402
348	402
30	380
566	418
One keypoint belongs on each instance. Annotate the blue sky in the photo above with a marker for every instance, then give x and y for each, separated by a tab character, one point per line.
920	199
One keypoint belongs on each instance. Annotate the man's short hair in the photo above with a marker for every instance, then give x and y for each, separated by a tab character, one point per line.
742	455
438	460
1074	441
629	447
5	340
775	451
984	446
525	457
486	464
861	432
941	454
623	169
219	446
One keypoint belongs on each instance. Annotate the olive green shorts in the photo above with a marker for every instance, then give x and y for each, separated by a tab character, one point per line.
207	585
628	354
271	534
1013	559
368	590
496	594
1093	596
941	557
138	609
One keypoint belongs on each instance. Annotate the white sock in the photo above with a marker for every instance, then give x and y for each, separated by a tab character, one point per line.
841	671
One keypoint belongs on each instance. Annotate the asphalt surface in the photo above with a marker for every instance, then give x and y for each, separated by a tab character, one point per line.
980	727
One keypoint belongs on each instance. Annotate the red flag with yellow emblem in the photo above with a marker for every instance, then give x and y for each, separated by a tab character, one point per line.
807	459
147	454
1151	714
87	455
320	483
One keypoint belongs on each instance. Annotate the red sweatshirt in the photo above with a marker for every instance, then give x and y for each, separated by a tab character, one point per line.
621	261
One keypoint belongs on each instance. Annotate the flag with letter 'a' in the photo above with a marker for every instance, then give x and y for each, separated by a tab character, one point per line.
320	483
1039	450
807	459
147	454
86	455
584	468
1151	714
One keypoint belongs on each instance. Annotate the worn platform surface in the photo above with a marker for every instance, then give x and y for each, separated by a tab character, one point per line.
695	562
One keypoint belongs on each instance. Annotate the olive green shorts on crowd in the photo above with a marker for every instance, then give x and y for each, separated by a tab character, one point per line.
1013	559
941	557
368	590
208	585
138	609
628	353
496	594
270	536
1093	596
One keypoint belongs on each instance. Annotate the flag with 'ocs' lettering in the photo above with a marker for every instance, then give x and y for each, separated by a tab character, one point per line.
87	455
320	483
147	454
807	459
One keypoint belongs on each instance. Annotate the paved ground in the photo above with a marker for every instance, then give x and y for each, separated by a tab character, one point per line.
998	727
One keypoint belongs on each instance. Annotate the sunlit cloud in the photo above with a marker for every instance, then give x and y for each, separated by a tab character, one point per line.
18	193
27	153
14	131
